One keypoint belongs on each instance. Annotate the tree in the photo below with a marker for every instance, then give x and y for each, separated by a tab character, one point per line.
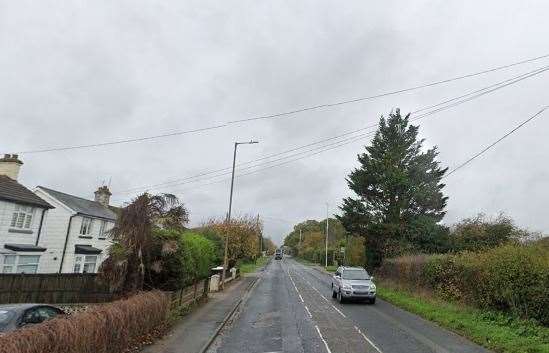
132	237
396	184
244	236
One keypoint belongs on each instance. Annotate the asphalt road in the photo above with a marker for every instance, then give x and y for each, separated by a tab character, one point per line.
291	310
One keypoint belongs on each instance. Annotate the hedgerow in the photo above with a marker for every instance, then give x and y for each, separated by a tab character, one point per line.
511	278
105	328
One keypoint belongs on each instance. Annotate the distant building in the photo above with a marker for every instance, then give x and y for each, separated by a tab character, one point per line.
22	216
76	231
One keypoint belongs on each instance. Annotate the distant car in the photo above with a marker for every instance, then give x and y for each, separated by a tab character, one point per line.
353	283
278	254
14	316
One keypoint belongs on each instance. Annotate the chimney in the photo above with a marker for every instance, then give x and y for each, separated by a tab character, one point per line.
103	195
10	165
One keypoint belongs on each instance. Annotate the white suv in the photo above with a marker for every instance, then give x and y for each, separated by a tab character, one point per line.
353	283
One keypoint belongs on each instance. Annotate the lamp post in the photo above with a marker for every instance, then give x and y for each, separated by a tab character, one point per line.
228	221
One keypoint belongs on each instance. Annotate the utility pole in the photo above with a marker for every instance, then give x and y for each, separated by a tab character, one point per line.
228	221
327	232
299	238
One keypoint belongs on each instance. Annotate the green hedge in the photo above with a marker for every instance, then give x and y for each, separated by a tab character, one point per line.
181	258
511	278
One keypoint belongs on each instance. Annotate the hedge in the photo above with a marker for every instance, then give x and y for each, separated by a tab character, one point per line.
512	278
105	328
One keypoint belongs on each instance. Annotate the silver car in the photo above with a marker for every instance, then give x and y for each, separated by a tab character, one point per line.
353	283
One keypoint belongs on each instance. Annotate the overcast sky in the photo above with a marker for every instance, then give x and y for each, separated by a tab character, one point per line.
79	72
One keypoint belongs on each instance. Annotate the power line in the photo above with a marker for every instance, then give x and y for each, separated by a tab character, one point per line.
441	107
271	116
496	142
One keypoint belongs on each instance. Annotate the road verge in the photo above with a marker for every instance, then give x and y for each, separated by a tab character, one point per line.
496	331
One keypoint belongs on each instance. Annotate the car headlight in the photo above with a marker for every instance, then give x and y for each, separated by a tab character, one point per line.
346	287
373	287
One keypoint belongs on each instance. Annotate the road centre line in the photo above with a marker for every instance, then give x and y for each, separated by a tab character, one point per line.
308	312
300	297
323	340
333	306
368	340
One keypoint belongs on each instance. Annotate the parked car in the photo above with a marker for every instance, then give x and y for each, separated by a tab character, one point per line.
14	316
353	283
278	254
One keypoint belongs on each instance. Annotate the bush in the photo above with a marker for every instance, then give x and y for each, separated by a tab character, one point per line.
180	259
106	328
511	278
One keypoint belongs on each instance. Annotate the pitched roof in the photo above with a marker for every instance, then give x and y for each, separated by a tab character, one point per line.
11	190
80	205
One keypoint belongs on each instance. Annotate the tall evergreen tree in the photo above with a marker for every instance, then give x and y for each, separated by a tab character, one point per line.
399	191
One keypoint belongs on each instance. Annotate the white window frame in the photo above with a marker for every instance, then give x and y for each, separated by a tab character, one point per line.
103	230
14	265
86	227
82	261
22	217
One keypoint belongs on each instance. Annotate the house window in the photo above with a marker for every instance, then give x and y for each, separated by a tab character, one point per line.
86	226
22	217
77	264
90	262
9	263
85	264
27	263
20	264
103	230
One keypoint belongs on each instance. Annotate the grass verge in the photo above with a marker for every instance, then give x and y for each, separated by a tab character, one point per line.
492	330
253	266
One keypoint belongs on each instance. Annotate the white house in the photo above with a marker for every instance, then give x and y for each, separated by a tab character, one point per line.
22	217
75	232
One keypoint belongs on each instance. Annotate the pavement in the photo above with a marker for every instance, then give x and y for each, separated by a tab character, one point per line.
196	328
290	309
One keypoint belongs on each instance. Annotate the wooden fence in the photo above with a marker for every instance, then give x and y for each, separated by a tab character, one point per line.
53	288
190	294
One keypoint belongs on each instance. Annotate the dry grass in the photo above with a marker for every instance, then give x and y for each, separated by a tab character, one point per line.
106	328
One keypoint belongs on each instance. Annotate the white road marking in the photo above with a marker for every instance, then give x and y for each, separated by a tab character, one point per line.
338	311
323	340
368	340
308	312
300	297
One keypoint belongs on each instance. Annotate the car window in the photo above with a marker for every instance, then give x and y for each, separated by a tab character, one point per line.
32	316
355	275
46	312
6	316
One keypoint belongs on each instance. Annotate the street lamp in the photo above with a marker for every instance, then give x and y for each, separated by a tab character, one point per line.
225	256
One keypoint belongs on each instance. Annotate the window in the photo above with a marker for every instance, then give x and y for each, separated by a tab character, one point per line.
77	264
103	230
22	217
9	263
86	226
20	264
89	263
85	264
27	263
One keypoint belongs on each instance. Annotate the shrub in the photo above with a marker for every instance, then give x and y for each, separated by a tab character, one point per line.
180	259
106	328
511	278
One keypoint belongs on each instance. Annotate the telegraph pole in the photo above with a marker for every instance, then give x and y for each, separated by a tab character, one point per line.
327	232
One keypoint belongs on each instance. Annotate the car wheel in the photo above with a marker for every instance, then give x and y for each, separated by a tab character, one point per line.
340	297
373	301
334	293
